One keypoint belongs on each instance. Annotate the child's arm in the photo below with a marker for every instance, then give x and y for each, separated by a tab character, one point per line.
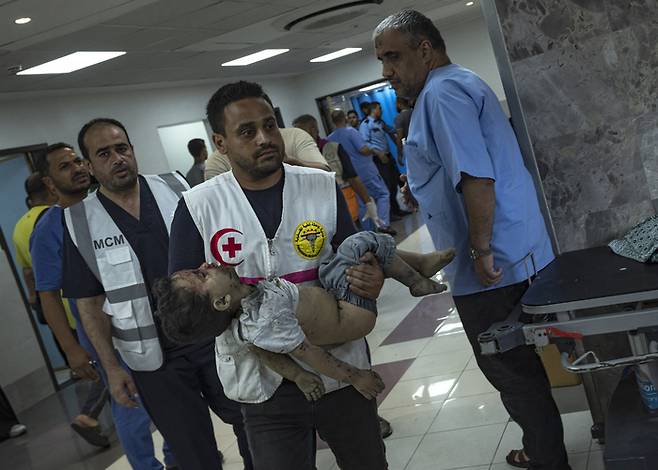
307	382
367	382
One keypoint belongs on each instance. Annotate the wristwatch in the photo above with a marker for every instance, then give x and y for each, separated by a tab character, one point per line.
475	253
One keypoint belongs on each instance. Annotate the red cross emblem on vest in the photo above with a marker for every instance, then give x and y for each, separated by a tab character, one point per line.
226	246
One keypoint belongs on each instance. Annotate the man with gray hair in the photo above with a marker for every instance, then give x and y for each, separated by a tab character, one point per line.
466	172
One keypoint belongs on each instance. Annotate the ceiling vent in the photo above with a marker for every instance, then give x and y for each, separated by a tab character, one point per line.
332	16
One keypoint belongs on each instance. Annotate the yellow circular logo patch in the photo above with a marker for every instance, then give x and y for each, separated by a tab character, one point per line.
309	239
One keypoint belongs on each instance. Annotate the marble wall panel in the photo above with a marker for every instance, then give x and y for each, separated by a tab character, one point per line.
593	170
586	73
605	226
532	27
607	78
625	13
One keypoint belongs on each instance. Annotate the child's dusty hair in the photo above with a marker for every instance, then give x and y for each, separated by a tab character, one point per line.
185	316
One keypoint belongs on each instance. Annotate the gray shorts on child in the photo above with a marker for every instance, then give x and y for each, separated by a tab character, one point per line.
332	272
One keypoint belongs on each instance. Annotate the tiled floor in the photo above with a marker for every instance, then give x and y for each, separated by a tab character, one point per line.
445	415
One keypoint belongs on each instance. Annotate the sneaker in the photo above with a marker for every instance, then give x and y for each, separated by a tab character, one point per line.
385	428
17	430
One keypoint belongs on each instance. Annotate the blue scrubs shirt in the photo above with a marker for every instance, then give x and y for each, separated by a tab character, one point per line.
458	126
374	133
351	141
46	247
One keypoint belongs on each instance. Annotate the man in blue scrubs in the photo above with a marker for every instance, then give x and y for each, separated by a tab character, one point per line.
374	130
361	156
466	172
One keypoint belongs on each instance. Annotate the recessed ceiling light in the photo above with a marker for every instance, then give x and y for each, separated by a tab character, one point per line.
337	54
468	4
24	20
72	62
372	87
256	57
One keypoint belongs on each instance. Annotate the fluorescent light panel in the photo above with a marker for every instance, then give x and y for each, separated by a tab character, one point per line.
337	54
256	57
372	87
72	62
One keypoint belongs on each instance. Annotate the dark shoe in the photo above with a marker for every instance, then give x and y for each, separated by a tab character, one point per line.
388	230
517	458
385	428
92	435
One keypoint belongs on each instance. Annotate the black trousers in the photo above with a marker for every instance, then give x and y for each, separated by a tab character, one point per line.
391	176
177	397
519	376
7	416
281	431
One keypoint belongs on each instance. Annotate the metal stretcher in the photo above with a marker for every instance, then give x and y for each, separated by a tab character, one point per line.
580	295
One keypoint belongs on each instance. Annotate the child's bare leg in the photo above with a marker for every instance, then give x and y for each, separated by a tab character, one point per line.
418	284
310	384
428	264
327	321
367	382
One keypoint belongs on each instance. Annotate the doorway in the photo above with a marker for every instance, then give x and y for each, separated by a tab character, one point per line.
351	99
15	166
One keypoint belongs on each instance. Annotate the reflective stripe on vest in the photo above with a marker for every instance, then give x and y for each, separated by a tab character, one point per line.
134	333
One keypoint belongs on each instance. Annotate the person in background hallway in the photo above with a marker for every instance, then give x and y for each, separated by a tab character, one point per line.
365	110
374	130
9	425
353	119
38	200
360	155
262	197
198	150
402	120
340	163
116	243
466	172
67	175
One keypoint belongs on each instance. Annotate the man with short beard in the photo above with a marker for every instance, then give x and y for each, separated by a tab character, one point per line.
466	171
115	247
269	219
353	119
67	176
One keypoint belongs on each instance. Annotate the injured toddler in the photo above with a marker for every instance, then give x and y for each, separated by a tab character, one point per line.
281	320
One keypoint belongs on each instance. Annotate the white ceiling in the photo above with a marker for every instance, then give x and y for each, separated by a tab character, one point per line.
171	41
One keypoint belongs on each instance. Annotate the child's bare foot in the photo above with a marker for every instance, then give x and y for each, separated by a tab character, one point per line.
368	383
434	262
310	384
426	287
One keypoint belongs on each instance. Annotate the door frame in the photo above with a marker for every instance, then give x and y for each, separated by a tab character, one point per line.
29	152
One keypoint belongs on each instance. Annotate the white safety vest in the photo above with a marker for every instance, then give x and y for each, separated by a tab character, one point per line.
114	263
233	236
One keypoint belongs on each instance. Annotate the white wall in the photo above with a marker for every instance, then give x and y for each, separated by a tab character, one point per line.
58	118
468	44
174	141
